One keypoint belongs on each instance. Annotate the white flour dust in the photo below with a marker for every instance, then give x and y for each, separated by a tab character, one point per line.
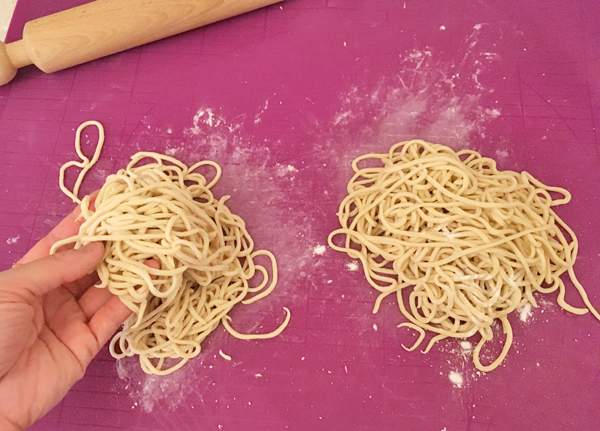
262	188
502	154
458	362
466	347
429	97
205	117
285	170
352	266
456	378
319	250
172	151
160	392
258	117
13	240
525	313
545	307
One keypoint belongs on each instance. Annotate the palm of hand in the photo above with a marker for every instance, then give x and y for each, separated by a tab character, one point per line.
49	334
51	344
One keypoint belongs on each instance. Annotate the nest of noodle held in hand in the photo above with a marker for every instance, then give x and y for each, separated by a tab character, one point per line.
202	258
460	243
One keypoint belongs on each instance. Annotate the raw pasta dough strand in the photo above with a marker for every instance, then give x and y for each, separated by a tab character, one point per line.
175	255
461	243
85	163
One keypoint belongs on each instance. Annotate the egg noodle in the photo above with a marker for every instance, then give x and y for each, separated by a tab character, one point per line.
176	256
460	243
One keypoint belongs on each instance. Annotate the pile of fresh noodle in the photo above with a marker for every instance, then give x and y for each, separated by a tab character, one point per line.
459	243
175	255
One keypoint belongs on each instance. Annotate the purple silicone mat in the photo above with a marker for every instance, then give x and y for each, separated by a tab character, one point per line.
284	98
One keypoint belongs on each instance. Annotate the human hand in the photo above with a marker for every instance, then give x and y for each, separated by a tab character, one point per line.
52	324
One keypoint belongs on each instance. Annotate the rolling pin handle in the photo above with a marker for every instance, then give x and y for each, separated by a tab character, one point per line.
17	52
12	57
7	69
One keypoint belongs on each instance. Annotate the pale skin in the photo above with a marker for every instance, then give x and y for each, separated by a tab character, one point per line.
52	324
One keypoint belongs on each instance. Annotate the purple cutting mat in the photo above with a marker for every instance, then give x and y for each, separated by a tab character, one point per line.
284	98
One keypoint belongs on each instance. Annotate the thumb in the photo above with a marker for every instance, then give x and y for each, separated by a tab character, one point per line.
45	274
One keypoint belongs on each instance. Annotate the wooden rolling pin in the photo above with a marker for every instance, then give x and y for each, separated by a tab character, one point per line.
104	27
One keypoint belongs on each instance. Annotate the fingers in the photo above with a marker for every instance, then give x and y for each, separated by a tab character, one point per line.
69	226
108	319
86	338
79	287
42	275
92	300
105	311
152	263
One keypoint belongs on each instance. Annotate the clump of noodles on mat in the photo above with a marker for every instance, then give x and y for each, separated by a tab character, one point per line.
459	243
175	255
